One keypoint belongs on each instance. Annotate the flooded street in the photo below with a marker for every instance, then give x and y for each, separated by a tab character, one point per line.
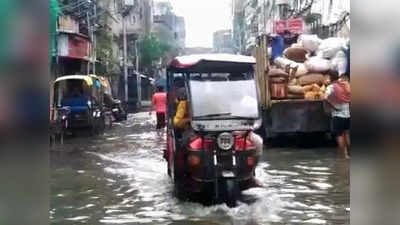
121	178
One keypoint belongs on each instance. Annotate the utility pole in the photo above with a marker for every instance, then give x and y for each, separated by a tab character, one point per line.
125	59
94	37
88	26
264	18
138	76
127	6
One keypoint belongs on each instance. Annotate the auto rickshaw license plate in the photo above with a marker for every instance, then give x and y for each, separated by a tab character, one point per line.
227	173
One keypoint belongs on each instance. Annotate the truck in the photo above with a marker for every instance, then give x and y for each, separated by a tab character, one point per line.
285	116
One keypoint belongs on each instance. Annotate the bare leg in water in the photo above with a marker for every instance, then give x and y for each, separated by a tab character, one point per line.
347	139
342	146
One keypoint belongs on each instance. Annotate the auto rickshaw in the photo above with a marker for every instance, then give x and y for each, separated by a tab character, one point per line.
218	161
82	97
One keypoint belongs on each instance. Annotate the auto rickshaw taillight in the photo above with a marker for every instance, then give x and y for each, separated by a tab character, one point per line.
198	144
241	146
193	160
251	161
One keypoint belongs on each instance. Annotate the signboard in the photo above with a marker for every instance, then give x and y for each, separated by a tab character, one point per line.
292	25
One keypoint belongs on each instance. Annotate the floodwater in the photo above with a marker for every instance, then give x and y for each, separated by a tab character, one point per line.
121	178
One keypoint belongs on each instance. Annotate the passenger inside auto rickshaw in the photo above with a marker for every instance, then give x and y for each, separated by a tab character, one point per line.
182	119
179	83
76	100
179	97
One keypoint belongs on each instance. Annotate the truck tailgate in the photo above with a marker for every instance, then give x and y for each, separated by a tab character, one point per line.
292	116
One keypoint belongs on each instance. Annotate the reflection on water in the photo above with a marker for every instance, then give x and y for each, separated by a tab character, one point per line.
121	178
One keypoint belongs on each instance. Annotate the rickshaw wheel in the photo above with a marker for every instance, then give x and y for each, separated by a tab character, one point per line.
93	130
179	189
102	126
109	122
179	178
179	172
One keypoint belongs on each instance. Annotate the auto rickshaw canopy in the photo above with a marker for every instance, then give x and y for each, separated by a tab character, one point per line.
86	78
212	63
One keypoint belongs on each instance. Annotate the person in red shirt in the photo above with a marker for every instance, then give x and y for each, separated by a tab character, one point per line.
159	101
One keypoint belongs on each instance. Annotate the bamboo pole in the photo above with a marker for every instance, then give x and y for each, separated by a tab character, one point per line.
266	71
261	71
259	74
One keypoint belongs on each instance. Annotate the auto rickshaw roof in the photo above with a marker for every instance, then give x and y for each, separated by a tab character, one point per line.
86	78
211	63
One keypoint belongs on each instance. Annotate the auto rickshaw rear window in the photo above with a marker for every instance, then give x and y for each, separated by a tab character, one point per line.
234	76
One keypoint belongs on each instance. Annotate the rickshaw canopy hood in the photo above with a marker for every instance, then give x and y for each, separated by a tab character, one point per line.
86	78
211	63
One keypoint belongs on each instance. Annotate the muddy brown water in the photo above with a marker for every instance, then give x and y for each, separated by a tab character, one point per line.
120	178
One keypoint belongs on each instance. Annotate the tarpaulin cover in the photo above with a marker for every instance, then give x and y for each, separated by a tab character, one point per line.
348	60
278	45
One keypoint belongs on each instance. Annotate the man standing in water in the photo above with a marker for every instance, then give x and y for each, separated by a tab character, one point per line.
159	101
338	96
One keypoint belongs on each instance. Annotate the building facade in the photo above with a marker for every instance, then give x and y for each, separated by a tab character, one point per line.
223	42
73	42
168	25
180	32
171	28
238	28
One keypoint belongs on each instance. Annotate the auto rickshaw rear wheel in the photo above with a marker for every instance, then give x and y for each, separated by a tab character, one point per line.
102	125
178	174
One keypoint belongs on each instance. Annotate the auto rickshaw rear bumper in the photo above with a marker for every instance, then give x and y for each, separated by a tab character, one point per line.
79	120
202	171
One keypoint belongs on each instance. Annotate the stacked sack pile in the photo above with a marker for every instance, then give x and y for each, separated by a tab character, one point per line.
307	63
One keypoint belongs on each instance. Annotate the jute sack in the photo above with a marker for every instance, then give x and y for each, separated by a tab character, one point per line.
339	62
310	42
285	63
293	82
295	89
317	65
297	54
274	72
330	46
313	78
301	70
